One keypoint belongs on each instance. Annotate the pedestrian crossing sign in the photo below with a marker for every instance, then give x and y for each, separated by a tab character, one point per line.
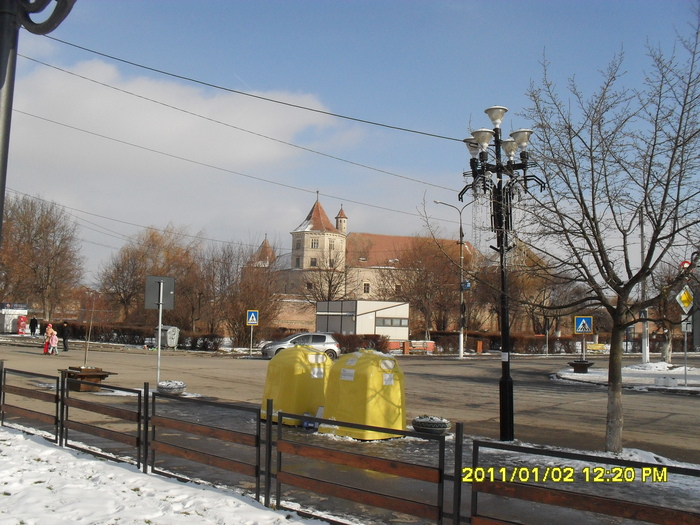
583	324
252	318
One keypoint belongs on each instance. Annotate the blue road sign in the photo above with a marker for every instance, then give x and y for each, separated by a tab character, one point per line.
252	318
583	324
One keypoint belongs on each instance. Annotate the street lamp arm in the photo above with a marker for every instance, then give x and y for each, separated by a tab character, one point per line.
26	7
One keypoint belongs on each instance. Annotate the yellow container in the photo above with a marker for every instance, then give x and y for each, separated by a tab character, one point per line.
296	382
367	388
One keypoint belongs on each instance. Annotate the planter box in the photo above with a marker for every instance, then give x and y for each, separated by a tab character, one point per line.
89	374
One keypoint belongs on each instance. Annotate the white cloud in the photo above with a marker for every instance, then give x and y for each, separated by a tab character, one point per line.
139	185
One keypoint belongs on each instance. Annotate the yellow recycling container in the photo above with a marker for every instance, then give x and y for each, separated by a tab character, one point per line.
296	382
365	387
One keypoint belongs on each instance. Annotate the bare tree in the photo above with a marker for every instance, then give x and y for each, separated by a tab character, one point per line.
241	281
41	261
617	160
328	280
426	279
170	252
122	279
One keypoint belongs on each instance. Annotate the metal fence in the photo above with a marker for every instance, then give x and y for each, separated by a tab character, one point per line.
178	436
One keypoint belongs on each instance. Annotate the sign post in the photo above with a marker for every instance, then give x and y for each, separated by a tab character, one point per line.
685	300
252	317
160	294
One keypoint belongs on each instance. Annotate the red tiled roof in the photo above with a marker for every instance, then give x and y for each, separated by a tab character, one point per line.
371	249
317	221
265	253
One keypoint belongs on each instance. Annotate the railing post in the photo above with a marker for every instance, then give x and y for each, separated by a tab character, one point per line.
475	463
61	409
441	483
146	420
2	392
457	489
268	453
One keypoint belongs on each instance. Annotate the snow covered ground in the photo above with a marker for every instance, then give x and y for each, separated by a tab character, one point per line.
644	376
43	483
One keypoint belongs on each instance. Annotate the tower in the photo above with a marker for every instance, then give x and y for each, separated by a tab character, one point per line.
341	221
317	244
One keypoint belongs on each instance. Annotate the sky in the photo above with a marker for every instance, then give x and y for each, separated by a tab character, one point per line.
145	113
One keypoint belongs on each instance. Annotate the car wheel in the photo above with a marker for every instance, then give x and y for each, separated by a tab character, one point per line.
331	354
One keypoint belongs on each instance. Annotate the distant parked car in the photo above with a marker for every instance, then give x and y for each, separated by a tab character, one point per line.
322	342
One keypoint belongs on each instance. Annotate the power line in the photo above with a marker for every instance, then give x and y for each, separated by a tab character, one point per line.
212	166
215	121
259	97
125	237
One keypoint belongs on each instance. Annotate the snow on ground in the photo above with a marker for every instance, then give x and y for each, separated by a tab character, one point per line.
643	376
43	483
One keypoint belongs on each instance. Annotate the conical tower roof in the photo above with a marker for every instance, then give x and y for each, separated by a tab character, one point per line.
316	221
265	254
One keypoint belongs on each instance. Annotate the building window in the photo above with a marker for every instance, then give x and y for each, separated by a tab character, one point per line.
389	321
314	262
331	244
314	243
331	263
297	262
298	244
309	286
365	288
397	288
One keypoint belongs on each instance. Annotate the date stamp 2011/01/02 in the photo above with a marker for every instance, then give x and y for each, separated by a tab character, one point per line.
565	474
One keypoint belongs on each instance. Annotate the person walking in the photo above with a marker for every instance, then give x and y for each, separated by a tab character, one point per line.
65	334
48	334
53	343
33	323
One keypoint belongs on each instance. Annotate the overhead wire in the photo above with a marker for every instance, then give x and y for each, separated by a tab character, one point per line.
238	128
177	157
252	95
212	166
125	237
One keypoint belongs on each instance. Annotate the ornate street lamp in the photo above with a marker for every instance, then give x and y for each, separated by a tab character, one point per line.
463	285
13	14
502	183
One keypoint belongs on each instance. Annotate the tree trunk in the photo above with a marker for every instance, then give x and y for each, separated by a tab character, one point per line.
666	347
614	420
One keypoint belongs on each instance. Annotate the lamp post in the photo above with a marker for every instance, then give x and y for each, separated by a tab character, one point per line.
13	15
462	306
502	182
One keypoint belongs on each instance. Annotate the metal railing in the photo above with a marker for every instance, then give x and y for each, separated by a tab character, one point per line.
175	436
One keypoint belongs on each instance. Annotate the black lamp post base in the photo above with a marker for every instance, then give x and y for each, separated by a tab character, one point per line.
505	387
580	366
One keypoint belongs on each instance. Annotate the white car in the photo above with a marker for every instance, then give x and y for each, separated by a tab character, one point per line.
323	342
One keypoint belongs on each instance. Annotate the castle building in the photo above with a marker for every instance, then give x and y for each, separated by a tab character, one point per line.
329	264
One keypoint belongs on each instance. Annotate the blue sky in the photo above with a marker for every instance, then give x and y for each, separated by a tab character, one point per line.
118	161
